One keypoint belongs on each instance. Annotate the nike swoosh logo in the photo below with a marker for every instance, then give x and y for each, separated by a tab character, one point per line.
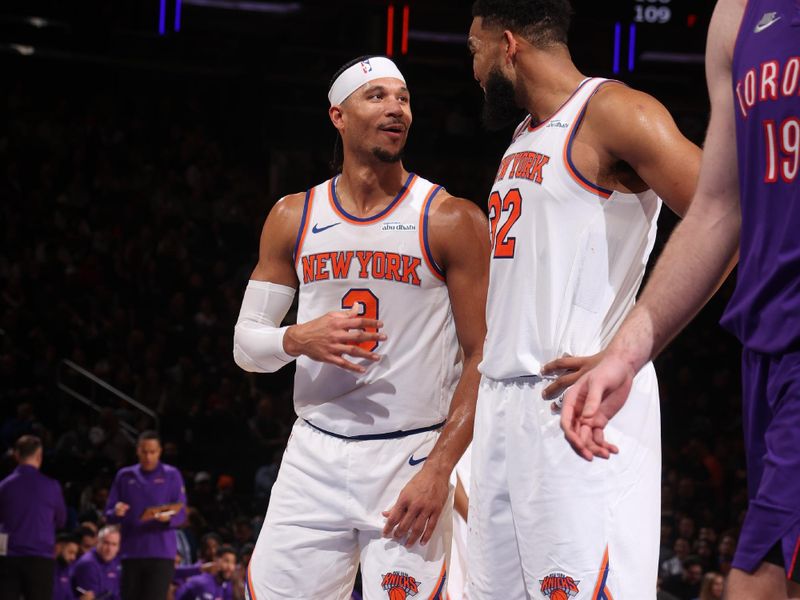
762	26
415	461
317	229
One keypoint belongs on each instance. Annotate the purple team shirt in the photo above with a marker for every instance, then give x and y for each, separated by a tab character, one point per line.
764	312
142	489
31	509
91	574
205	587
62	585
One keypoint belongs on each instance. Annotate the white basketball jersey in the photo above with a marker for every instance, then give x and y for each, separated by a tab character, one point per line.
382	264
568	256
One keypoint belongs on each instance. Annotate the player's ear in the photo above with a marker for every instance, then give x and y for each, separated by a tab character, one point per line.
337	116
510	46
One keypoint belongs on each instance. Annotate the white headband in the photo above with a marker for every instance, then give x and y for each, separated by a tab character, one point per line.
360	73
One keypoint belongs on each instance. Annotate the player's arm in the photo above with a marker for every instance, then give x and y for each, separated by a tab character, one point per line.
635	128
459	235
686	275
261	345
630	126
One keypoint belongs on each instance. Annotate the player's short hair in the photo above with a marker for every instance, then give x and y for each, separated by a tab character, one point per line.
149	434
26	446
83	532
67	537
541	22
107	530
223	550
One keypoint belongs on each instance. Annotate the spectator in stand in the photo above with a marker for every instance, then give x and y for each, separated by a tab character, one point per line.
96	574
87	533
66	554
149	500
674	566
242	532
725	550
207	585
712	587
209	544
703	550
686	586
31	509
686	528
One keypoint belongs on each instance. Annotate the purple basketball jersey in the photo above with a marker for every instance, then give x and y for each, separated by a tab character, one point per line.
764	312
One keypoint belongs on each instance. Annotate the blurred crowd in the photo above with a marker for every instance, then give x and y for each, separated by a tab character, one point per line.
129	226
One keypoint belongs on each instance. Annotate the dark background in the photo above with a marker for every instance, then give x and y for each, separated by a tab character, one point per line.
138	162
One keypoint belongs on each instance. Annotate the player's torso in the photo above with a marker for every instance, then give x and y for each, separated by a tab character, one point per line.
382	265
766	89
567	256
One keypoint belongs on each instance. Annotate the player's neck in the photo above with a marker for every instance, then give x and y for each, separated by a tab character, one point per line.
548	78
366	189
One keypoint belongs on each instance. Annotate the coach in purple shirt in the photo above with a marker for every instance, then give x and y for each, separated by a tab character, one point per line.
209	586
96	574
148	500
31	509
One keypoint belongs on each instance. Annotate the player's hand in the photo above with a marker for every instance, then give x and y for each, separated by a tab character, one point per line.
120	509
418	507
591	402
329	337
163	516
86	596
209	567
569	369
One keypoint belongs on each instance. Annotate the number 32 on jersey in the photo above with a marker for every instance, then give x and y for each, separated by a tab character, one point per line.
510	208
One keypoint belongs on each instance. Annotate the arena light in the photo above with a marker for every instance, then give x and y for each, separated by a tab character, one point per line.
390	30
440	37
177	25
617	41
631	46
673	57
162	16
404	39
23	49
280	8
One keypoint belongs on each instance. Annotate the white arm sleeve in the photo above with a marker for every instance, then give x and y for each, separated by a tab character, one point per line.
258	337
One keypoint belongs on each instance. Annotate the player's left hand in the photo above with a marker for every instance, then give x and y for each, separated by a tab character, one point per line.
571	368
418	507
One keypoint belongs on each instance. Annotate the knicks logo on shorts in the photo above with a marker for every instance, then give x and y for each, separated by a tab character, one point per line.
399	585
558	586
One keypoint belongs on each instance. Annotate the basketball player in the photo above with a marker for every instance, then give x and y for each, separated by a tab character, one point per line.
573	214
754	84
392	273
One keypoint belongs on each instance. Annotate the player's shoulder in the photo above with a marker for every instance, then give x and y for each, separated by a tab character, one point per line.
170	469
290	206
130	469
623	119
448	210
457	228
619	105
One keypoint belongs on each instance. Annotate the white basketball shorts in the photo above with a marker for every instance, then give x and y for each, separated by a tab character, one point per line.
545	523
324	517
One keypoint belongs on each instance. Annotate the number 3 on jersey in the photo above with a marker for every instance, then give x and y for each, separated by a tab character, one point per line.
511	203
368	309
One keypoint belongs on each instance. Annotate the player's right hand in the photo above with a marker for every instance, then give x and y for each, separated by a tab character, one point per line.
591	402
329	337
120	508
